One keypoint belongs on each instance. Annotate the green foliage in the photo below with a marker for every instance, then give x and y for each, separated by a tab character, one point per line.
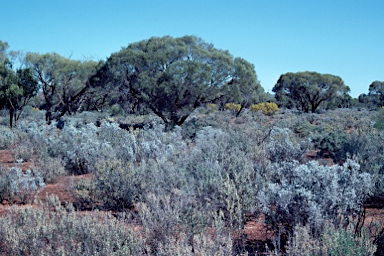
376	89
267	108
64	82
308	90
16	89
174	76
379	124
333	241
339	242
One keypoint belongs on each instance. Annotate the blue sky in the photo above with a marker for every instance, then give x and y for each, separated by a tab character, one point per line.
344	38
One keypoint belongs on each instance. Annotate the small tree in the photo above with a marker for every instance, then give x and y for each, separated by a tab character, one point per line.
376	89
308	90
16	89
63	81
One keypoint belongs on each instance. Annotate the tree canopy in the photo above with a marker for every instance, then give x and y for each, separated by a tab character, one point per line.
376	90
17	87
308	90
173	76
63	81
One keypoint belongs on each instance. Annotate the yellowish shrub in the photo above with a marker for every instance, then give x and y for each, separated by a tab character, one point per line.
233	106
268	108
212	106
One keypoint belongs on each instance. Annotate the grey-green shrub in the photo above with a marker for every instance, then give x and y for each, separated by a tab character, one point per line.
7	137
5	191
311	193
54	230
284	146
24	186
340	242
16	186
50	168
333	241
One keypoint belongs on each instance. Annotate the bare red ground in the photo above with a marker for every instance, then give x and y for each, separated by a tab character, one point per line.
8	160
62	188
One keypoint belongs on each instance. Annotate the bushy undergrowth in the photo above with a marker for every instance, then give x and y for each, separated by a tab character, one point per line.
189	188
54	230
333	241
16	186
310	194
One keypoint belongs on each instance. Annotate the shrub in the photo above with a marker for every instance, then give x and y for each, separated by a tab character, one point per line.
267	108
7	137
23	150
82	149
233	106
50	168
220	174
310	194
333	241
18	186
212	107
340	242
284	146
54	230
118	186
302	242
5	191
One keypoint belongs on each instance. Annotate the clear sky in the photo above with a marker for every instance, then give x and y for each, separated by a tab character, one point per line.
339	37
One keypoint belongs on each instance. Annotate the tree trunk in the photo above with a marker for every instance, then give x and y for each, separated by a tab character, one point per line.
11	115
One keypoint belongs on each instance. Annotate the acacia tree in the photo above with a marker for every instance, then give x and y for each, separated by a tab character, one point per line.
249	91
63	82
16	87
173	76
376	90
308	90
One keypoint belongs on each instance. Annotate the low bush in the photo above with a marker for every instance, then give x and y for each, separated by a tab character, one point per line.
310	194
267	108
233	106
333	241
55	230
7	137
16	186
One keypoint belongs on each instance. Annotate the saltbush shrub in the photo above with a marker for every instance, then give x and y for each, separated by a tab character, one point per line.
16	186
7	137
333	241
309	194
55	230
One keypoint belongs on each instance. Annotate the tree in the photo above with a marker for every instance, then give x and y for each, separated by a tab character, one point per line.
250	90
3	51
16	87
369	101
376	89
63	82
173	76
308	90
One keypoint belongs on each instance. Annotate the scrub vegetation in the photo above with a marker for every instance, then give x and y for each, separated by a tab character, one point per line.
173	148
